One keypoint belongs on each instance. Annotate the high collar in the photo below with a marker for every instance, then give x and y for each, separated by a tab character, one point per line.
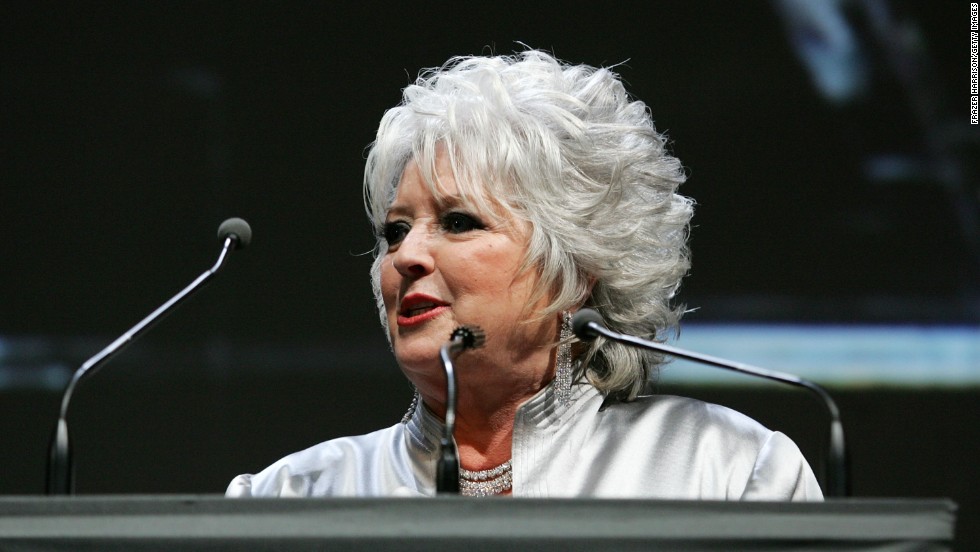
540	411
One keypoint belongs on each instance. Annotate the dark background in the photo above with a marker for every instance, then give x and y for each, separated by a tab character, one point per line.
130	130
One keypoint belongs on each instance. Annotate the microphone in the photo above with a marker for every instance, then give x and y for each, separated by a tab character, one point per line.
233	233
587	325
447	467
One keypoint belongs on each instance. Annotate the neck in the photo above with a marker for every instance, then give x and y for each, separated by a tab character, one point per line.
484	420
489	395
484	440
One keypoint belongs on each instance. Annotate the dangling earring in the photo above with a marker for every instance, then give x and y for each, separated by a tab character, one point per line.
411	408
563	362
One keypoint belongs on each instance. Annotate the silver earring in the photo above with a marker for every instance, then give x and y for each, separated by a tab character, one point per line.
563	363
411	408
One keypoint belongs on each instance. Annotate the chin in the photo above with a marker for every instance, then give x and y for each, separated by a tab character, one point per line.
417	350
419	344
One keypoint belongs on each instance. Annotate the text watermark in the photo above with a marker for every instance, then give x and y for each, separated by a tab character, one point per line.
974	62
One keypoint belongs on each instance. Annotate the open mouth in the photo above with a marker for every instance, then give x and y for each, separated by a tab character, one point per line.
416	309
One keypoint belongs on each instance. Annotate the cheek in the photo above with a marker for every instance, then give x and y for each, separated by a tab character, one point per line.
497	274
389	283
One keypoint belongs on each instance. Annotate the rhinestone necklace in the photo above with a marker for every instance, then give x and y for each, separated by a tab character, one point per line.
486	482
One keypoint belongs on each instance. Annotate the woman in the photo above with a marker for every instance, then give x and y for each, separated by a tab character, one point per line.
507	192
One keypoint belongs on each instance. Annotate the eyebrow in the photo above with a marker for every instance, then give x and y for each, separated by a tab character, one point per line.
447	202
396	209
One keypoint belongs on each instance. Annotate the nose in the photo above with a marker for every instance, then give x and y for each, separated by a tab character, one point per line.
413	258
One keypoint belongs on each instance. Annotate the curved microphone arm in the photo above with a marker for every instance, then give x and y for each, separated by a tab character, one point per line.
588	324
93	364
235	234
447	468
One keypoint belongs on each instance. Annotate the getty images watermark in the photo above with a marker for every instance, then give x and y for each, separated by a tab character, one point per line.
974	54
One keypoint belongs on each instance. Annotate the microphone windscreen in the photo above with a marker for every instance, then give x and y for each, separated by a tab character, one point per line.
473	336
238	228
580	324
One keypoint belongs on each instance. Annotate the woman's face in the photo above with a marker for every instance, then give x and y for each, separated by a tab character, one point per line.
448	266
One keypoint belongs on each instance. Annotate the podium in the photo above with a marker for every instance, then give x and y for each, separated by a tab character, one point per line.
173	522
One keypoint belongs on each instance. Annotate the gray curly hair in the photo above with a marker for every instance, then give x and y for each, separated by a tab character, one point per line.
565	149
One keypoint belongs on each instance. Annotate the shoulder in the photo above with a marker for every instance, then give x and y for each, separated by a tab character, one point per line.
747	460
686	414
328	468
687	426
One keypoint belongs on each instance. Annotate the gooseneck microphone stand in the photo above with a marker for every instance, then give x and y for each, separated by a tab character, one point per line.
447	466
235	233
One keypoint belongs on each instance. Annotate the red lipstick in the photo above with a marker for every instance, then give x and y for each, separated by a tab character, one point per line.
418	308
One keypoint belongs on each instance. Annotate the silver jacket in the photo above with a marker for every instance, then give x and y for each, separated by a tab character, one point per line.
657	447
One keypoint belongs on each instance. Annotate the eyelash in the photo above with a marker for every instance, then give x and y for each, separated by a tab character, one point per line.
389	230
395	231
471	222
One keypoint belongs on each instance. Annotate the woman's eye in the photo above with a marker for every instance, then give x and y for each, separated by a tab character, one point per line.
395	232
457	223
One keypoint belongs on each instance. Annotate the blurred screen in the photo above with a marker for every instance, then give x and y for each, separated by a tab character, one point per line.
828	149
